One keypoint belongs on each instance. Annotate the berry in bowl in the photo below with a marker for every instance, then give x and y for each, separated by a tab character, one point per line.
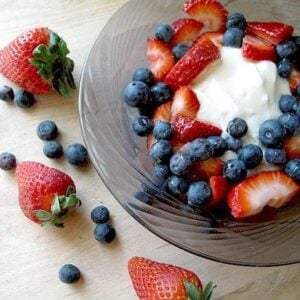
193	124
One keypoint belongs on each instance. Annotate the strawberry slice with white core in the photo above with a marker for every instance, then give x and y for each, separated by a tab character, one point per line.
210	12
215	37
272	188
272	32
220	188
185	31
160	58
202	54
185	103
257	49
291	145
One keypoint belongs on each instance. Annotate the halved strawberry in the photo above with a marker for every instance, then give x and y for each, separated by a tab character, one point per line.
273	188
192	63
150	141
294	80
219	187
272	32
291	146
185	103
162	112
254	48
187	129
185	31
160	58
215	37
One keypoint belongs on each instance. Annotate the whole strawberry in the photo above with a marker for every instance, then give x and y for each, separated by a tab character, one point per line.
45	194
37	62
159	281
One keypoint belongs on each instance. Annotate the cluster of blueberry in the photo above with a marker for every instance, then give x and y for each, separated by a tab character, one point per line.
21	98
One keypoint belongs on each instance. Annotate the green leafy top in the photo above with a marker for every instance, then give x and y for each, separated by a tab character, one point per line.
196	294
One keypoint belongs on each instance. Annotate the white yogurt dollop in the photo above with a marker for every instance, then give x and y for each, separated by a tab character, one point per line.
235	87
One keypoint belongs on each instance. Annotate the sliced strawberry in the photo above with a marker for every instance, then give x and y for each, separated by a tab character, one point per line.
160	58
220	188
273	188
215	37
187	129
294	80
211	12
150	141
162	112
185	31
272	32
192	63
176	144
254	48
291	146
185	103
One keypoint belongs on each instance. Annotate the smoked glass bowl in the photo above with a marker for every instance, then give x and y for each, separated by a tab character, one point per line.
121	158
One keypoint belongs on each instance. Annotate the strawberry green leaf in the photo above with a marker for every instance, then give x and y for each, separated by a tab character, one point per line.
42	215
55	207
208	291
192	291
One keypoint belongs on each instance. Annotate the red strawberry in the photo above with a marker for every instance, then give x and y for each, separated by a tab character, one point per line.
160	58
215	37
45	194
37	62
294	80
160	281
256	49
272	32
192	63
185	103
185	31
187	129
204	170
273	188
220	188
211	12
291	146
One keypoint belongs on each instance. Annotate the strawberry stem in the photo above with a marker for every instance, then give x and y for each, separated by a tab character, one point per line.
194	293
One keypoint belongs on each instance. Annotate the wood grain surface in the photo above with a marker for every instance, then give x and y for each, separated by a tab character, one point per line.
30	256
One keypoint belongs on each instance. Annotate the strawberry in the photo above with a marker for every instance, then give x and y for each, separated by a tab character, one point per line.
254	48
294	80
160	281
273	188
185	31
291	146
37	62
211	12
162	112
45	194
215	37
160	58
219	187
192	63
187	129
185	103
272	32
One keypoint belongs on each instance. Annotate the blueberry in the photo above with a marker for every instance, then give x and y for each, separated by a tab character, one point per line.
298	90
142	125
271	133
198	193
177	185
160	171
161	151
251	155
298	111
201	149
162	130
145	75
233	37
24	99
286	49
7	161
284	68
69	274
233	144
180	163
47	130
275	156
235	170
180	50
100	214
164	32
77	155
289	122
53	149
137	94
6	93
219	145
292	168
236	20
104	233
237	128
288	103
160	93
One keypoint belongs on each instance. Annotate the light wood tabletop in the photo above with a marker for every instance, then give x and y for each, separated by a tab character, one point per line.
30	256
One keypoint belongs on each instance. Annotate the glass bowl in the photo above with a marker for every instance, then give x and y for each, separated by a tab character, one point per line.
121	158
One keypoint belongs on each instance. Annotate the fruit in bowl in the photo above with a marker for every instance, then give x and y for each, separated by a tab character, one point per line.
219	109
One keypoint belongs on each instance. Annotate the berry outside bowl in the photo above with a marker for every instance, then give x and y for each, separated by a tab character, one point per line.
121	158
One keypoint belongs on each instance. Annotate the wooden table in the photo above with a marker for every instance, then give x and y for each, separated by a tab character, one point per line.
30	256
